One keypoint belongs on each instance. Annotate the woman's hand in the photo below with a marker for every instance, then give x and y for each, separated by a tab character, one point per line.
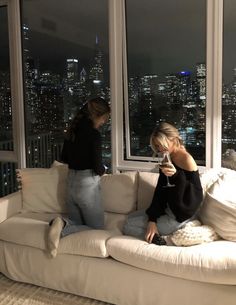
151	231
168	169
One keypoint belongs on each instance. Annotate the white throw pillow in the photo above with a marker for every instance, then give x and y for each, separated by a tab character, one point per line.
208	178
193	233
219	207
119	192
43	189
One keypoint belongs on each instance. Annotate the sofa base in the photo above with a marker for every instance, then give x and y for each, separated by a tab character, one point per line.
107	280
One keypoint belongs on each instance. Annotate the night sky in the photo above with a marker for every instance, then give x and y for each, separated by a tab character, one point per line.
163	36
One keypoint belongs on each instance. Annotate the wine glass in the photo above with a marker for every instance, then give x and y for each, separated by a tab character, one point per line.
165	161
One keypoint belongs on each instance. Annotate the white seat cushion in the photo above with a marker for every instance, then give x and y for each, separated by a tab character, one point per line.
86	243
213	262
27	229
30	229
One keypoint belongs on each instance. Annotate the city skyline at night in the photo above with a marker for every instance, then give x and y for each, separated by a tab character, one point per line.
61	72
58	97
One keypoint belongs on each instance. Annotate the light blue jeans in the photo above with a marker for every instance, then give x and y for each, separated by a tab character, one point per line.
84	204
136	224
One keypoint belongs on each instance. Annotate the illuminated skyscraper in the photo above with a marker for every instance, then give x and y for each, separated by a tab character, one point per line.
149	84
31	75
201	80
171	87
96	73
6	107
83	75
184	88
229	115
72	70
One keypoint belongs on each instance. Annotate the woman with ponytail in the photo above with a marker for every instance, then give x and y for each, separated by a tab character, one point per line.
82	152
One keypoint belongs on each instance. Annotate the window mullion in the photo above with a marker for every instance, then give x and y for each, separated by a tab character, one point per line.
214	82
115	42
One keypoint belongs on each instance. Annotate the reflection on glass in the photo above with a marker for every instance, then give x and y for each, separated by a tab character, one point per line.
6	136
167	71
229	87
66	63
8	182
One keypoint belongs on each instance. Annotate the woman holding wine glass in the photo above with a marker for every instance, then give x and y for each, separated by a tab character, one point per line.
178	193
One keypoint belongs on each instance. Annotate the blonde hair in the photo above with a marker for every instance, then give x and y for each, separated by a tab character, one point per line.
162	134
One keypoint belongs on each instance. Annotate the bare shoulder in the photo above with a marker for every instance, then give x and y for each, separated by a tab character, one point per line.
185	160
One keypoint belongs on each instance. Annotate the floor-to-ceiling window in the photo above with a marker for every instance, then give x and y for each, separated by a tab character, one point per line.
66	62
166	73
7	169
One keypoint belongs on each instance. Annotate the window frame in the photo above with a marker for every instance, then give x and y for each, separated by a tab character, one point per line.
214	32
119	88
16	81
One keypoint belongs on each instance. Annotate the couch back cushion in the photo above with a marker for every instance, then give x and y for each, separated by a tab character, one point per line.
119	192
114	222
219	207
147	182
43	189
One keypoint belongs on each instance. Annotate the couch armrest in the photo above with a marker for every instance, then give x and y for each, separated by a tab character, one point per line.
10	205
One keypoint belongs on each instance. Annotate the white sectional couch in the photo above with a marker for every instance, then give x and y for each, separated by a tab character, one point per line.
107	266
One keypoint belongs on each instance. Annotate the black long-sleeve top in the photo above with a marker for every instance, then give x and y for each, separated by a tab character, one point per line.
84	152
183	199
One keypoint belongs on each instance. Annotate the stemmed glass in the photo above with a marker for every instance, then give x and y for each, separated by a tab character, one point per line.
164	160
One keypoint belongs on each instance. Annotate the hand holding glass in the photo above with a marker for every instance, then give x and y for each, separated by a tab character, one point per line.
165	161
